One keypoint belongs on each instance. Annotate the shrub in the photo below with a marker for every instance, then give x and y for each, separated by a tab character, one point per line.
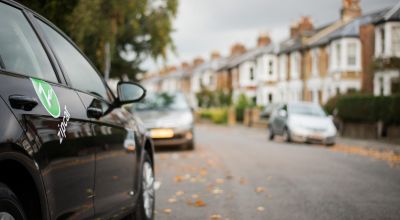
219	116
331	104
216	115
208	99
242	103
366	108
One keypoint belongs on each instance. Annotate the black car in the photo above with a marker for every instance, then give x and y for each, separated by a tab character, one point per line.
67	148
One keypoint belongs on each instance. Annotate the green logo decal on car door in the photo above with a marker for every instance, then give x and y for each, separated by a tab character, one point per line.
47	97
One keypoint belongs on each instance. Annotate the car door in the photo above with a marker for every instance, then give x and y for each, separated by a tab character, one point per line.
113	128
51	114
280	120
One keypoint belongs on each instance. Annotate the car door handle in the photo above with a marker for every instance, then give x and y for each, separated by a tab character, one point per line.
22	102
93	112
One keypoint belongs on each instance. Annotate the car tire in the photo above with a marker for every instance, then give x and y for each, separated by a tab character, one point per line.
146	202
10	207
286	135
330	144
190	145
271	134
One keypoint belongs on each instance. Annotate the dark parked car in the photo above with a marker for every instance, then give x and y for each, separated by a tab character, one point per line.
67	148
168	118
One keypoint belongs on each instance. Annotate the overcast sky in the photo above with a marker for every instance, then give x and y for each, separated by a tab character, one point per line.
206	25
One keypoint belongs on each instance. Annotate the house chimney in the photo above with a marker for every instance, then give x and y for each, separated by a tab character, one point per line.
237	49
294	30
184	65
263	40
215	55
305	24
197	61
350	10
171	69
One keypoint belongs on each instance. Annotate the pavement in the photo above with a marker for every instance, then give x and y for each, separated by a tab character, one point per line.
237	173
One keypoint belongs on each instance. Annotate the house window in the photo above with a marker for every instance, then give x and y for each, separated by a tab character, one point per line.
295	66
270	99
338	48
270	64
282	67
395	88
211	80
396	40
351	56
382	40
251	74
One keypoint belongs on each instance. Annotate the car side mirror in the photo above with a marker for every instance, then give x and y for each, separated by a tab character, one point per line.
283	113
130	92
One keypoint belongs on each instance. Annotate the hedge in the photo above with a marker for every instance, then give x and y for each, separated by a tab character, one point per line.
216	115
366	108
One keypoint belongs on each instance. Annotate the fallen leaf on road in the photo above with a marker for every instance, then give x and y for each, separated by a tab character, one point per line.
260	189
179	193
203	172
179	179
228	177
219	181
199	203
167	211
260	208
390	156
195	196
172	200
217	191
242	181
215	217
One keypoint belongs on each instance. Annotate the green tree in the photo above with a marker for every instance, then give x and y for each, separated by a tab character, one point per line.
134	29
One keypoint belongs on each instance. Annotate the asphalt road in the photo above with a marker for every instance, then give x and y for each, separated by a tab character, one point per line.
236	173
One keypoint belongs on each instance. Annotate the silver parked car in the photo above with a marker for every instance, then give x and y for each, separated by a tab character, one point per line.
302	122
169	119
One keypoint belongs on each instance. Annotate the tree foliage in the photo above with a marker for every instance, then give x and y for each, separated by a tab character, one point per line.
134	29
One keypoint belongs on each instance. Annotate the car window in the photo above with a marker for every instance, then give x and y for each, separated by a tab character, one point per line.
20	49
306	109
80	72
163	102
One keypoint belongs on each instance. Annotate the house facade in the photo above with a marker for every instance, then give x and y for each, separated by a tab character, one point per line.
357	52
387	53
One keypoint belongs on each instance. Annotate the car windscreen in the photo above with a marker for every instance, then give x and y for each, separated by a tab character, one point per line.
162	102
306	109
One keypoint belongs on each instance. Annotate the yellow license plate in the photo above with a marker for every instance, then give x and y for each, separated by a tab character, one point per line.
162	133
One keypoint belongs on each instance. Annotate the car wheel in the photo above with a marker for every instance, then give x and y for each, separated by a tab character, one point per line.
10	207
330	144
145	208
286	135
190	145
271	134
